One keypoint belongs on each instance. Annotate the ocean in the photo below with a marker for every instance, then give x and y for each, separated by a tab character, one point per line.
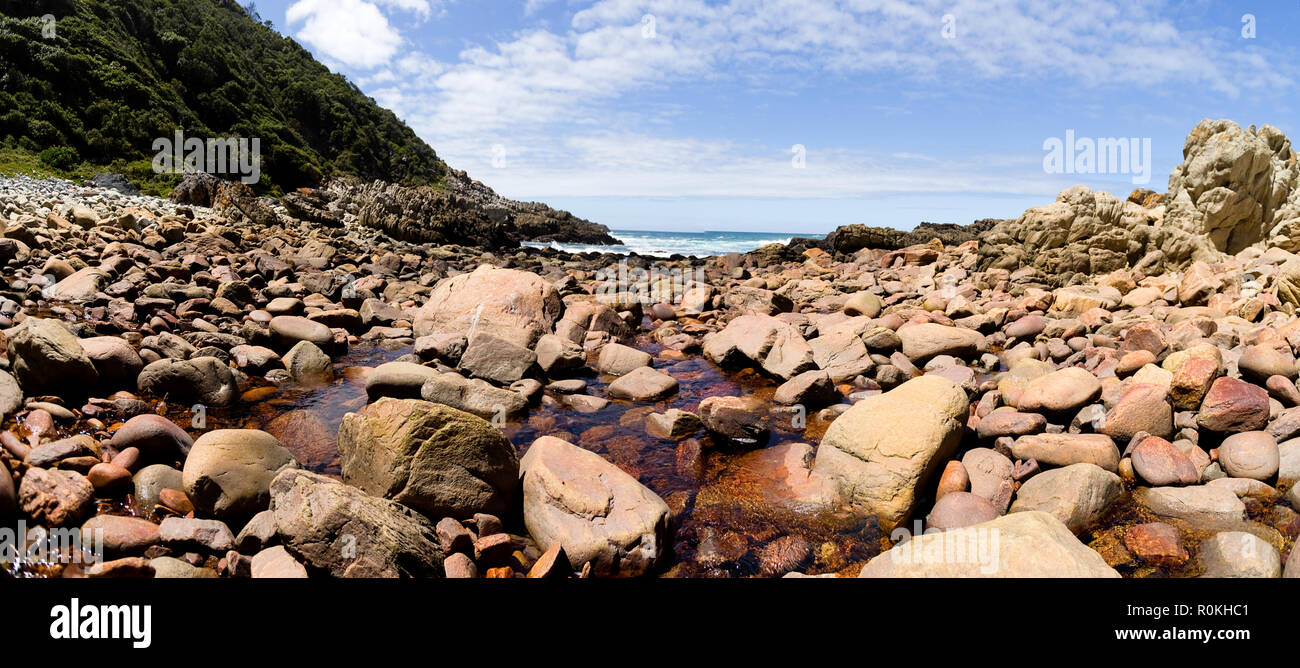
664	244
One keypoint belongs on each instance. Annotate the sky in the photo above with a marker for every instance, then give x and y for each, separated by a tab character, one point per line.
798	116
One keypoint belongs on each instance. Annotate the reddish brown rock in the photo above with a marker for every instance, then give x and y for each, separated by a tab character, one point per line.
1191	381
1160	463
954	479
1010	422
1141	408
1156	543
1233	406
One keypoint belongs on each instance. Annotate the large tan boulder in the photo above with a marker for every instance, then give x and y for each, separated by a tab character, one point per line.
598	513
762	341
1020	545
516	306
883	450
441	461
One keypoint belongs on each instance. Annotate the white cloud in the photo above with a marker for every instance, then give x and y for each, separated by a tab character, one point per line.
352	32
558	99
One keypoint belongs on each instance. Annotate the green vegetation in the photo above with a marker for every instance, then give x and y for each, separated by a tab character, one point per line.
118	74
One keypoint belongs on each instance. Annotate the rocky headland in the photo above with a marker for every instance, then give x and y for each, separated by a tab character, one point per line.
361	381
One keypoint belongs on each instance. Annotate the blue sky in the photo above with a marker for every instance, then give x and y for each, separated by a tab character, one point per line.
685	114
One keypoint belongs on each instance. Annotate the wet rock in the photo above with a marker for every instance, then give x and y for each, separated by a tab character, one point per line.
1156	543
1159	462
151	480
1029	545
737	420
339	529
206	380
438	460
598	513
1067	449
783	555
1078	495
229	471
643	384
56	498
1251	454
1233	406
1237	554
48	359
960	509
884	448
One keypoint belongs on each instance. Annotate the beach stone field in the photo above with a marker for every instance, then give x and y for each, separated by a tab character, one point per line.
215	385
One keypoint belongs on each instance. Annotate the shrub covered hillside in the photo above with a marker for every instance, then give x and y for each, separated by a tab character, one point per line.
114	75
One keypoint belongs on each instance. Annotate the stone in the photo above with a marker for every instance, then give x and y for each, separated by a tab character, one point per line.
517	306
990	476
496	360
288	330
617	359
475	396
56	498
769	343
1010	422
1159	463
863	304
1142	408
340	529
809	389
258	534
1232	406
1192	380
151	480
122	536
400	380
924	341
1202	503
454	537
960	509
1078	495
206	380
183	534
596	512
953	479
555	354
459	566
1250	454
229	472
1238	554
1029	545
171	568
643	384
438	460
1260	361
47	359
735	420
1067	449
1156	543
156	437
308	364
276	563
674	424
128	567
116	362
883	450
1061	391
553	564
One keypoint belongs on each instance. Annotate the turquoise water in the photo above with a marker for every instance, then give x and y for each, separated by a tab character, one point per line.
663	244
